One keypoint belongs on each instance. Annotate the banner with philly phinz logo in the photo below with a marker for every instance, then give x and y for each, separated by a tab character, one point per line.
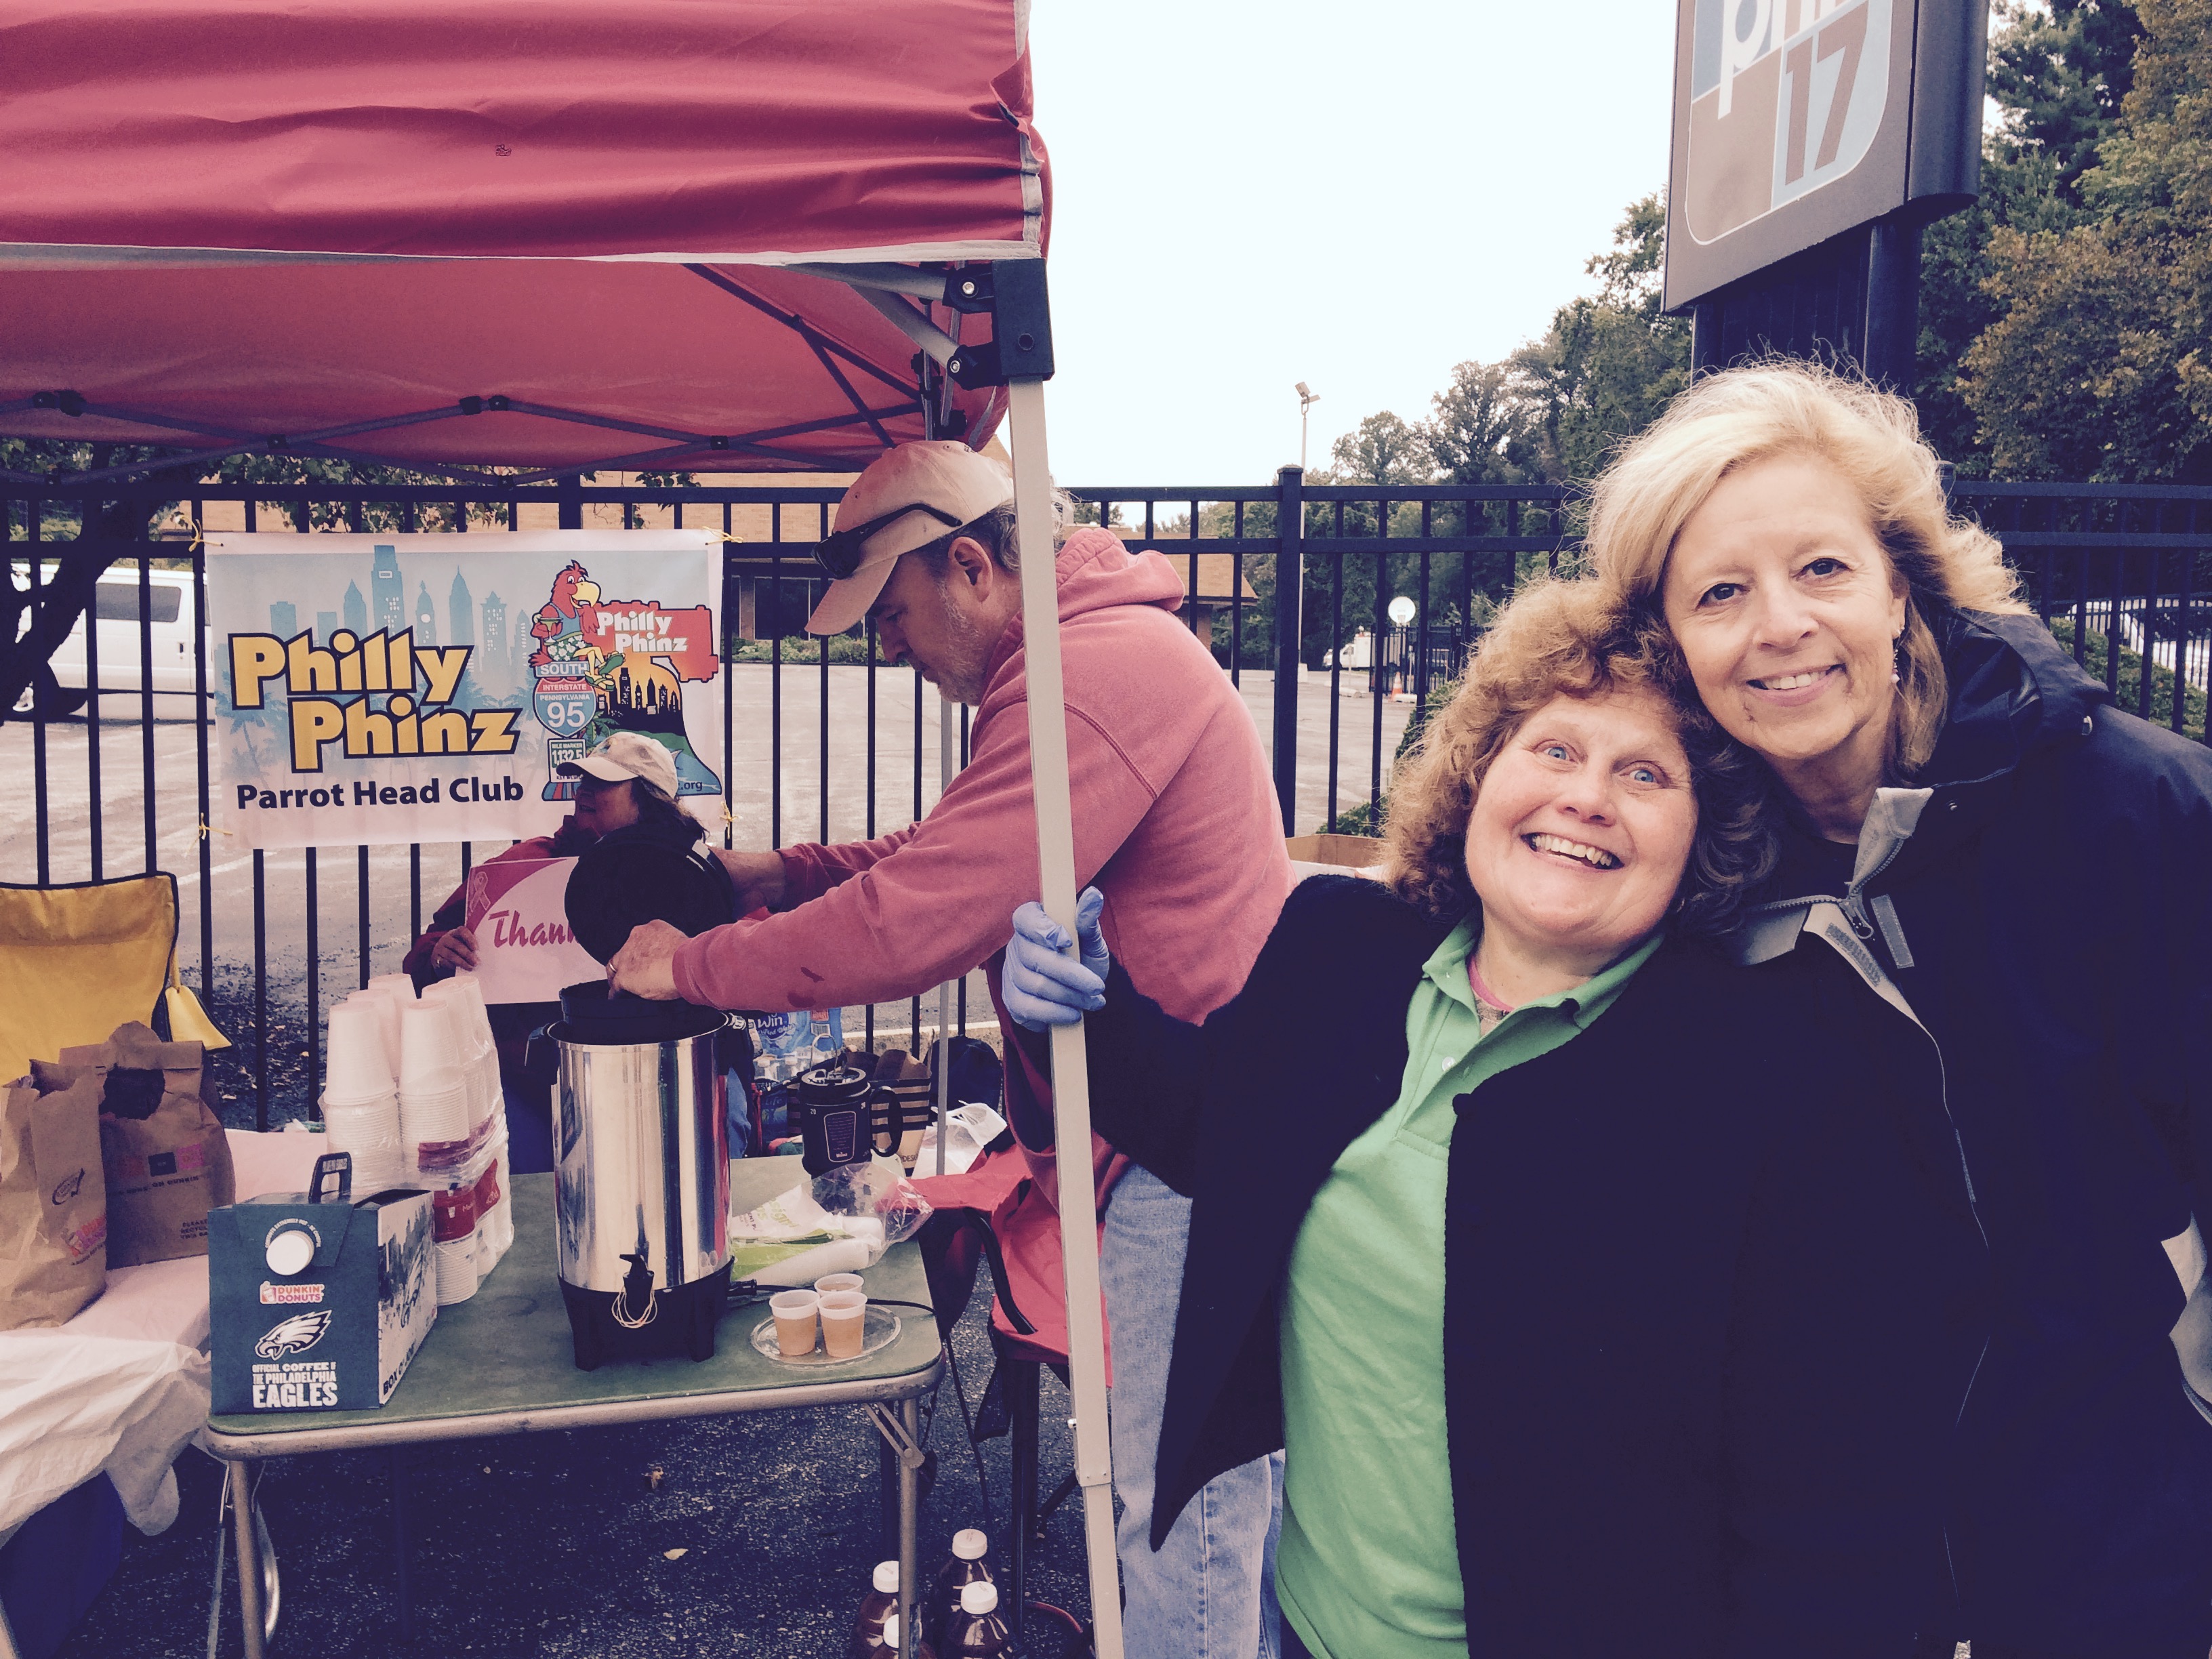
421	688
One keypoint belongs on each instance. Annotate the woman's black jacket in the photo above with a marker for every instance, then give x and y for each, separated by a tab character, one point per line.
2048	915
1711	1283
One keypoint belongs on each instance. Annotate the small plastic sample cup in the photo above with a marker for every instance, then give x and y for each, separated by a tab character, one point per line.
831	1282
794	1312
844	1321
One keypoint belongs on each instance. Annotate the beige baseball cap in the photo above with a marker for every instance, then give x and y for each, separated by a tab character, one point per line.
907	498
627	755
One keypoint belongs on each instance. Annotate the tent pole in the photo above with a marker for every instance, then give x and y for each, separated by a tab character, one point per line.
1071	1075
948	768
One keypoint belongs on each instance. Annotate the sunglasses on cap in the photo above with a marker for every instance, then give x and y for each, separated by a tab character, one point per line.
838	553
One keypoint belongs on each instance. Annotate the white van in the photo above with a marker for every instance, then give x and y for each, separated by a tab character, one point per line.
176	619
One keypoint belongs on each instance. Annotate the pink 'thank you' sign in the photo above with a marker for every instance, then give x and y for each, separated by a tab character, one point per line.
524	950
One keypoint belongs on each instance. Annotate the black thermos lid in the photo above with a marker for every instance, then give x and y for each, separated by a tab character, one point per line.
590	1014
620	884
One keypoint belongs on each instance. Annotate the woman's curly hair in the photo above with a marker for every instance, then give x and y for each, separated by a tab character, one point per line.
1568	637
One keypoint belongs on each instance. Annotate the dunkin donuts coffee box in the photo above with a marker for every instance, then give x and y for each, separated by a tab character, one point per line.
319	1301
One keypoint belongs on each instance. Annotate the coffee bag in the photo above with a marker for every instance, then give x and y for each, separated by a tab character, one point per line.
53	1203
165	1157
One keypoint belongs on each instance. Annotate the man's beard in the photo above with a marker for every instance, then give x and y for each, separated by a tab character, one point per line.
963	675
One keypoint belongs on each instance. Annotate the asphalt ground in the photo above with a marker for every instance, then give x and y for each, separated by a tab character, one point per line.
750	1535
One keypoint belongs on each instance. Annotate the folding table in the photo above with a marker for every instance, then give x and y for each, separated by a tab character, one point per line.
501	1363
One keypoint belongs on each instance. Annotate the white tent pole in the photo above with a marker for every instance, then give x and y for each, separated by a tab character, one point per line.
1071	1075
948	768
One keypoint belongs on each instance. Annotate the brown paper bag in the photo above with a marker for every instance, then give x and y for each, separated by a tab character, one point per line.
53	1204
166	1158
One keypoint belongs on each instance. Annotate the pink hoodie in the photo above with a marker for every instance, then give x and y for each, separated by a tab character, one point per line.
1176	821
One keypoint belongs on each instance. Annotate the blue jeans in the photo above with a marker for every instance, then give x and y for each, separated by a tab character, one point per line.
1209	1591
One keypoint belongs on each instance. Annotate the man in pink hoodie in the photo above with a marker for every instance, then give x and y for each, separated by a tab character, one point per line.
1175	822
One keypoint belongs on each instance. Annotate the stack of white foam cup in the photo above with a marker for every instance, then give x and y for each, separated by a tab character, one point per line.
434	1094
463	1000
461	1152
458	1277
360	1109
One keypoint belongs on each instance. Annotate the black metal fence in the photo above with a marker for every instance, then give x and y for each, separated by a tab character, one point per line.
2123	574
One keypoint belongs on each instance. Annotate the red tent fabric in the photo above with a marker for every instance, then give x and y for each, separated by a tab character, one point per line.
231	220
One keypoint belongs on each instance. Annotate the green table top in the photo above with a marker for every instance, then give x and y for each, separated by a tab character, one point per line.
503	1363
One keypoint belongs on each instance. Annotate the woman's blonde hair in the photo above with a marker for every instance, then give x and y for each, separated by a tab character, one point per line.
1566	638
1786	407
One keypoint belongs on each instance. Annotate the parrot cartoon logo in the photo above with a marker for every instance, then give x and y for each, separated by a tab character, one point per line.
562	615
294	1335
606	665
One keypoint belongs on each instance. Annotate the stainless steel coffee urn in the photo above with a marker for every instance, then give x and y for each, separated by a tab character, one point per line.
641	1173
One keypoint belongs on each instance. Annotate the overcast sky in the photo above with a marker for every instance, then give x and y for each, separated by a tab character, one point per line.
1354	195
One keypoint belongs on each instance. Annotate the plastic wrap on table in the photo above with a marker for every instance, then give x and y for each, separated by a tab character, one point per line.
878	1188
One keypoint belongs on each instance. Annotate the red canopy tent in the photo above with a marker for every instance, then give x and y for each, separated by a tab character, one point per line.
342	226
680	234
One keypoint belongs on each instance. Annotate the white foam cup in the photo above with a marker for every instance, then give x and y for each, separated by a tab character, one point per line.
371	1135
435	1117
429	1056
354	1067
399	985
794	1312
457	1270
844	1322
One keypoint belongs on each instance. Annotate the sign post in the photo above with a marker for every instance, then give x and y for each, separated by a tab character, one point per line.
1812	140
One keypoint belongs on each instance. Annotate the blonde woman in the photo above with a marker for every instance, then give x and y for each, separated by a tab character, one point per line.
1604	1304
2020	877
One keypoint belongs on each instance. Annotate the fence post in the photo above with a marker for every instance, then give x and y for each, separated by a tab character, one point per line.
569	487
1290	595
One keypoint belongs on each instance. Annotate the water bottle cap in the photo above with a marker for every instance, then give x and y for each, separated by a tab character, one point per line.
979	1597
891	1633
970	1544
886	1578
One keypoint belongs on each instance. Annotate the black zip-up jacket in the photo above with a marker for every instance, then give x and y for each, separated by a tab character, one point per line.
2049	919
1712	1285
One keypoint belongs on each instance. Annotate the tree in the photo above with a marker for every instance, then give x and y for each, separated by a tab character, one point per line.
2058	77
1482	430
2100	364
1608	364
1380	450
2061	75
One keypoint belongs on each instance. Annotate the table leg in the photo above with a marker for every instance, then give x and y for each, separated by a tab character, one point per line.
249	1555
400	1550
909	1492
887	1490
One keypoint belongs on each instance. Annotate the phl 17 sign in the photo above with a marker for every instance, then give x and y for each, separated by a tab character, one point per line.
405	688
1786	96
1798	120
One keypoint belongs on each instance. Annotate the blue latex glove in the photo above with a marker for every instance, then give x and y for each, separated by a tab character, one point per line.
1043	988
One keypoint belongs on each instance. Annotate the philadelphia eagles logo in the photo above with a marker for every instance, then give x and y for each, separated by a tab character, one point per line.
294	1335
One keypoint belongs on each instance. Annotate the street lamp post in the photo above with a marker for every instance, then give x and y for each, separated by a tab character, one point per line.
1306	401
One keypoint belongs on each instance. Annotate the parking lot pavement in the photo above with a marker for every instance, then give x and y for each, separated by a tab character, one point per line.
368	903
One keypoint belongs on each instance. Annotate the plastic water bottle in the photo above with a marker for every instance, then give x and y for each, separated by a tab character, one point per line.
880	1604
963	1567
891	1633
976	1630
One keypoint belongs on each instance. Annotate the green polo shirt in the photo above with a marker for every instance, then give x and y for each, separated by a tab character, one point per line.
1368	1567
